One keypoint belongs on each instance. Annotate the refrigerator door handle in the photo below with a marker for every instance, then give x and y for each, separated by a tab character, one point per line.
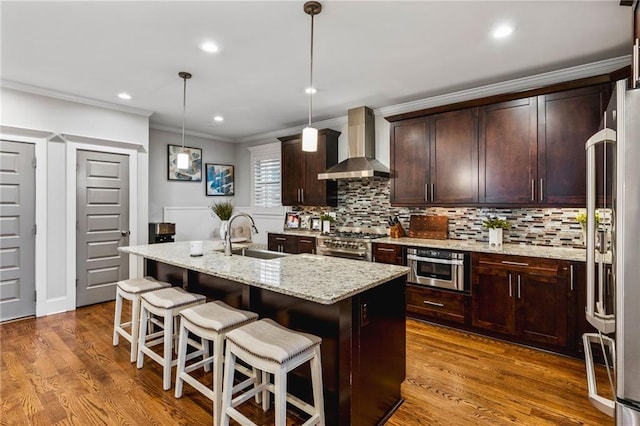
603	404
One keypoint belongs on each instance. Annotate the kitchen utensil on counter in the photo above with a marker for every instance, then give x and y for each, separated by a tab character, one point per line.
432	227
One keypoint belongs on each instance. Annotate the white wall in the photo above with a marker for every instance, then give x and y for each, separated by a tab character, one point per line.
27	113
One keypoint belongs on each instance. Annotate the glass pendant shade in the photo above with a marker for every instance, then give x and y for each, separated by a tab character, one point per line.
309	139
183	161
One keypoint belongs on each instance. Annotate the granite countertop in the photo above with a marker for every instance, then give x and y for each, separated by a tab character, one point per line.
320	279
560	253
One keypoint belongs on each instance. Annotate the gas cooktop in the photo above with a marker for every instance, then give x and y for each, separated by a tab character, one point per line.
357	233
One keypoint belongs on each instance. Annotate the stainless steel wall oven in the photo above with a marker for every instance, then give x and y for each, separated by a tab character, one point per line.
444	269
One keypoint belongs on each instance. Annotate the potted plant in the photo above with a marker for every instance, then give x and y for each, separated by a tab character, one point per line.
495	227
326	220
224	211
581	218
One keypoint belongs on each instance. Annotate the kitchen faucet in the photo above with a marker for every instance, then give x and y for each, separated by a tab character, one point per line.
227	236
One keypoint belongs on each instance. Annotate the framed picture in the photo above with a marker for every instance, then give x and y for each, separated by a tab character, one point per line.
292	221
219	179
315	223
193	172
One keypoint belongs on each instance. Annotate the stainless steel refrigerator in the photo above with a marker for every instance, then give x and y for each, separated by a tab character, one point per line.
613	300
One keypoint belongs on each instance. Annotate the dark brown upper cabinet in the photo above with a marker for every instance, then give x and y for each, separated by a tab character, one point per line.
507	154
435	159
299	179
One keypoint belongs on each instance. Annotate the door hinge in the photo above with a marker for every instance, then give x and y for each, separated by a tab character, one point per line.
77	280
35	229
34	162
35	295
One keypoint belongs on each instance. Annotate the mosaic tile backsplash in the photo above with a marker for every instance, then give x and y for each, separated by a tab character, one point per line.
365	203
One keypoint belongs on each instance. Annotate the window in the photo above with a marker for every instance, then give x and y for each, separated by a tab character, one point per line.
265	179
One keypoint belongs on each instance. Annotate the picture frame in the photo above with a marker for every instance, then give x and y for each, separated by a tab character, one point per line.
219	180
292	221
315	224
193	173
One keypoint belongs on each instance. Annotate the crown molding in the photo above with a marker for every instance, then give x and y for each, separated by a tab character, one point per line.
72	98
178	131
510	86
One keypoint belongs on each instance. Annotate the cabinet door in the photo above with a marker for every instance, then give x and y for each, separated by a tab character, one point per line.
409	162
507	152
454	157
566	120
306	245
283	243
320	192
291	174
387	253
493	300
541	308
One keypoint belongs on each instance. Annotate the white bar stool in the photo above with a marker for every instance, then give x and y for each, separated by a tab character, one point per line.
276	350
211	322
166	304
131	290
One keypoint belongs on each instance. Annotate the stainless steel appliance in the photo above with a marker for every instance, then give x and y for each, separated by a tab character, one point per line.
622	352
438	268
161	232
349	242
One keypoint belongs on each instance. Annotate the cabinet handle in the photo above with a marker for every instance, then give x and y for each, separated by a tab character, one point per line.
385	249
506	262
302	195
433	192
518	286
571	276
305	241
510	292
541	189
426	192
533	189
636	63
429	302
281	239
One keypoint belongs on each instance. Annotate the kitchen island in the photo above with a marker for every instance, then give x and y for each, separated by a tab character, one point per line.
356	307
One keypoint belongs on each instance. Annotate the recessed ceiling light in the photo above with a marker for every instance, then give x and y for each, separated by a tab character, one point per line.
310	90
209	47
124	95
218	118
502	31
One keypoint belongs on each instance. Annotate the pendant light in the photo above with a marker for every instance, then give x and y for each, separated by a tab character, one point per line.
183	158
310	134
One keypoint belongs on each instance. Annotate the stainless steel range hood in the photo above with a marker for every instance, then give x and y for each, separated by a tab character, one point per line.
361	162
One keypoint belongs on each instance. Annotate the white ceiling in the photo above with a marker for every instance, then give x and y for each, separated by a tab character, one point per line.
374	53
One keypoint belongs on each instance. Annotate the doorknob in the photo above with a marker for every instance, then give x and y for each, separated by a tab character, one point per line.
125	233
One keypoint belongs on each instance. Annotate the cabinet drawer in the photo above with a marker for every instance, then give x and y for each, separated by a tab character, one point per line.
425	302
532	265
387	253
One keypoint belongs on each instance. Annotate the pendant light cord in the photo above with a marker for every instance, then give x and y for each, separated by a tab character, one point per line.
311	73
184	107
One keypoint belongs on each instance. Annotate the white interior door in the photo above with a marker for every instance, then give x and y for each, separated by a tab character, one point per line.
102	225
17	230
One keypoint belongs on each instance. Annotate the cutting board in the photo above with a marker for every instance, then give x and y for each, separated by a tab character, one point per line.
432	227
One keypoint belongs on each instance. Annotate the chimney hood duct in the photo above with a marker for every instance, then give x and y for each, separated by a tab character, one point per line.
361	162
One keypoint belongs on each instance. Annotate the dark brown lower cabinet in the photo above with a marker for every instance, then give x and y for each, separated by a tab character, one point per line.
293	244
523	298
432	304
388	253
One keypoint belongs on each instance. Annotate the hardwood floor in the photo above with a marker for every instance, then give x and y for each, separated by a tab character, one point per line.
62	369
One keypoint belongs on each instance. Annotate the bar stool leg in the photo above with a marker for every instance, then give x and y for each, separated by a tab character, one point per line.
135	326
316	379
218	356
117	318
280	397
182	355
142	336
229	369
168	347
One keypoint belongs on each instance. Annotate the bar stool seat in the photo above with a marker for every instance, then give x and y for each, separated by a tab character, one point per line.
210	321
276	350
131	290
166	304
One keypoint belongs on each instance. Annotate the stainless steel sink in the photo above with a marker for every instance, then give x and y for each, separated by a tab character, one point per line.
260	254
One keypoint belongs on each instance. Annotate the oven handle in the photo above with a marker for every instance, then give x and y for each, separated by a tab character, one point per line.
322	250
434	260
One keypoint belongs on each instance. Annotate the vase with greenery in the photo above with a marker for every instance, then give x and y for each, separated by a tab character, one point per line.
224	211
326	220
581	218
495	227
